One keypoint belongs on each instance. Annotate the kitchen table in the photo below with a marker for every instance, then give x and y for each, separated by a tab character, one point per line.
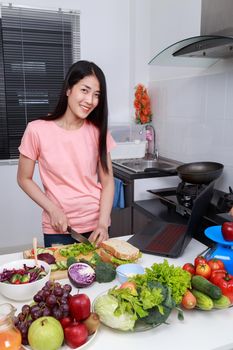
209	330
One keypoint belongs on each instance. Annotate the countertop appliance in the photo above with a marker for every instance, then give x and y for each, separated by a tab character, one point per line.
222	249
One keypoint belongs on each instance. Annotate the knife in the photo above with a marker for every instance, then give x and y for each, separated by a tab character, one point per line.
77	236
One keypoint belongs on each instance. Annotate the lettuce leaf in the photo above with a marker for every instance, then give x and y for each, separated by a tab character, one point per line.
105	307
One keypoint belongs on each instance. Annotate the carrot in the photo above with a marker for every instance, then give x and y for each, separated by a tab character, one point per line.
189	300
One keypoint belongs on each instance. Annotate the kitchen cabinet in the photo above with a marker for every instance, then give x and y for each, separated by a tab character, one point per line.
130	220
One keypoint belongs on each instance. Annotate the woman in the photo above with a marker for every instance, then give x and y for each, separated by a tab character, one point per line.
72	147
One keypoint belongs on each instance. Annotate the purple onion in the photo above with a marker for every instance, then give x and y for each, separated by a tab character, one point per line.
81	274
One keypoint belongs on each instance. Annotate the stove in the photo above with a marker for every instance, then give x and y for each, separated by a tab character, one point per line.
182	197
186	193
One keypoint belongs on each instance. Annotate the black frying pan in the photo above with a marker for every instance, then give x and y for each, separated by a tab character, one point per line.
199	172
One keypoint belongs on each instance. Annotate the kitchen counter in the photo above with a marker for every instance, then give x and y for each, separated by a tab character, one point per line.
127	174
209	330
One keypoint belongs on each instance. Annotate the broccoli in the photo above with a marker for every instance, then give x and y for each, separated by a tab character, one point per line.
105	272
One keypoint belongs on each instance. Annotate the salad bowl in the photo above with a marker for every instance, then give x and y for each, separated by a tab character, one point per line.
34	279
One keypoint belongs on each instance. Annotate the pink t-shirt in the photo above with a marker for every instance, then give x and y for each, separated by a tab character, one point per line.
67	162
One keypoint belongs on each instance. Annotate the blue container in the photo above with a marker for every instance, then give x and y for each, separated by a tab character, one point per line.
223	249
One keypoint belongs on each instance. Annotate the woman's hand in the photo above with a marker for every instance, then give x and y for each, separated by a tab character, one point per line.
231	211
58	220
99	235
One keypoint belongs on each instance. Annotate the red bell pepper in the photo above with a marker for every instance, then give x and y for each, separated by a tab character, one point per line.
215	274
225	282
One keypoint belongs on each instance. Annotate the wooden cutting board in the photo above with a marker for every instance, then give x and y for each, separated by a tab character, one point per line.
58	274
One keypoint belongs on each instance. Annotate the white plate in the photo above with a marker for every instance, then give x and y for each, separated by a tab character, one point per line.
66	347
140	326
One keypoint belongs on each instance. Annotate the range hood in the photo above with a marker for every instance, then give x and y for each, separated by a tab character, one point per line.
214	43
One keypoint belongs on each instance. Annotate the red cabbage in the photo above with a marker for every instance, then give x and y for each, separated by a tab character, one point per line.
81	274
47	257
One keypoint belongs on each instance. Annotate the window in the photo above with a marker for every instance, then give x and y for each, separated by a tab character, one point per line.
36	49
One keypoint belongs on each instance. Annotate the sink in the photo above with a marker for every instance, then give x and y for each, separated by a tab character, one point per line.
141	165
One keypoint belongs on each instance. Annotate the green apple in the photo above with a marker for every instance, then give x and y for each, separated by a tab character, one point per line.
45	333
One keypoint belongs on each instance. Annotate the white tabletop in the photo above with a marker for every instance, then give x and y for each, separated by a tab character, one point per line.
203	330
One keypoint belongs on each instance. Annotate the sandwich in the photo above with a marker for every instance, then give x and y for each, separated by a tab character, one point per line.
118	252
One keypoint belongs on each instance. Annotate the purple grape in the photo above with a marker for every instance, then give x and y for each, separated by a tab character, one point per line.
51	300
36	314
26	309
24	329
57	313
46	293
46	311
38	298
21	317
67	287
58	291
25	340
64	308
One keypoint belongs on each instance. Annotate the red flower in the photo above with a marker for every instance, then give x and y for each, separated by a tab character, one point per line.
142	107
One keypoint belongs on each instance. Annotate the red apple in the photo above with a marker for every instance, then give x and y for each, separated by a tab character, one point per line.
66	321
76	335
79	306
227	231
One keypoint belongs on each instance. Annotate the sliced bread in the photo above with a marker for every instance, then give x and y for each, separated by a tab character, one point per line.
120	249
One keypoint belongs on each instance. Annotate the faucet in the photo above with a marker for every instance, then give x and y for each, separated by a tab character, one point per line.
152	152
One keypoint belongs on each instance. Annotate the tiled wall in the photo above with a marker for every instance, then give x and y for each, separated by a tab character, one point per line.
193	117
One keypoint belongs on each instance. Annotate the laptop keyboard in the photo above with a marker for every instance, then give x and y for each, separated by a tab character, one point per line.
167	238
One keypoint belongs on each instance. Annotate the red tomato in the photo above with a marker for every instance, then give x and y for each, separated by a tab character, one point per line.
199	260
227	230
79	306
130	285
203	270
216	264
76	335
189	267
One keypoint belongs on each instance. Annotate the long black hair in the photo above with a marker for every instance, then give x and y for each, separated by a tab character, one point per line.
99	116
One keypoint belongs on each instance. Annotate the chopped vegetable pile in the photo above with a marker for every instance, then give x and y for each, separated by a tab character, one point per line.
27	274
76	249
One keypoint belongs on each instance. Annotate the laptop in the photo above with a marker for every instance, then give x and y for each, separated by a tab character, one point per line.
170	239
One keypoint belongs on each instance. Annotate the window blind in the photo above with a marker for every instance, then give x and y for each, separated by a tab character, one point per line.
36	49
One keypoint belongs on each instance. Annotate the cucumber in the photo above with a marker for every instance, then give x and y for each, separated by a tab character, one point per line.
44	250
204	302
222	303
62	265
203	285
54	267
